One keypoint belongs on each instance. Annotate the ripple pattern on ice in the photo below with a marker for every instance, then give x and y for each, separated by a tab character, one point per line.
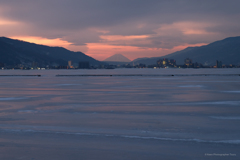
227	118
237	142
231	91
27	111
234	103
69	84
222	102
11	98
192	86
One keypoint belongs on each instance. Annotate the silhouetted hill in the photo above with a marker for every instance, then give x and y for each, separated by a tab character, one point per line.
227	51
13	52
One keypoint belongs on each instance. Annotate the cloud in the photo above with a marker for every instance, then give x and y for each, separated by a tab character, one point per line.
152	26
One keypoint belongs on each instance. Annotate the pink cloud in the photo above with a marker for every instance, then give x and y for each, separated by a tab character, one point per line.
43	41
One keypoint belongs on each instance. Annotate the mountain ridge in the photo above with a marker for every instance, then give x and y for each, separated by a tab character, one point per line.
13	52
117	58
226	50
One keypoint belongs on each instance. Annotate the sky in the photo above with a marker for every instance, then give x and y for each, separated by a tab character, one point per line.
133	28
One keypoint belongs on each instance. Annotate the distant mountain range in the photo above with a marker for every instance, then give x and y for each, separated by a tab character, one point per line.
227	51
117	58
14	52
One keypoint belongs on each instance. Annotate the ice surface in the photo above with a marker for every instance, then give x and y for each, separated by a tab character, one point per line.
131	117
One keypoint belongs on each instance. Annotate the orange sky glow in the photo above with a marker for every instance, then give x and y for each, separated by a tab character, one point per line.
101	51
131	46
127	45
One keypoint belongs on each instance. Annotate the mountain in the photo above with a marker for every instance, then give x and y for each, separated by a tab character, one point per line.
117	58
226	50
14	52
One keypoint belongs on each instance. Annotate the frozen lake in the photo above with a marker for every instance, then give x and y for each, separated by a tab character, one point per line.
120	117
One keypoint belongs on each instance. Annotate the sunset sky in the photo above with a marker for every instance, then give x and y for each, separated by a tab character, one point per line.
134	28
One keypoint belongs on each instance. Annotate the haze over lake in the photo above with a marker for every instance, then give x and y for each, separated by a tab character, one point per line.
144	117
